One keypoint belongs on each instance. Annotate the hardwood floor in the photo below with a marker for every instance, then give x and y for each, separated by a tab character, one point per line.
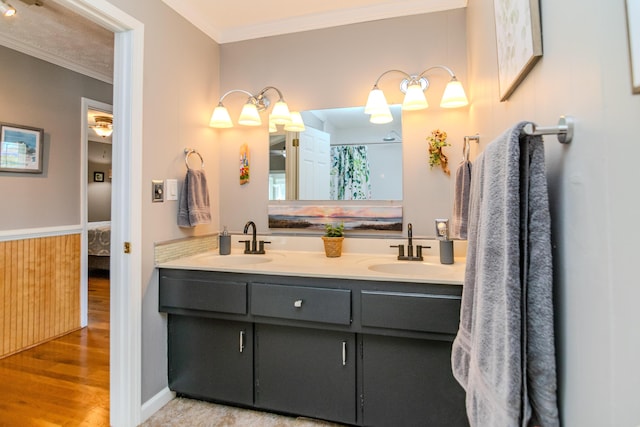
64	382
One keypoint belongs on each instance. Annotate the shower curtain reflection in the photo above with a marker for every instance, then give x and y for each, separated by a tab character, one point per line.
350	173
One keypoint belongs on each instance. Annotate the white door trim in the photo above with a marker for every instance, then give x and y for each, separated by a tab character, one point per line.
126	208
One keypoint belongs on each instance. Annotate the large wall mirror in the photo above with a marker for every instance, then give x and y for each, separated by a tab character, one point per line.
340	156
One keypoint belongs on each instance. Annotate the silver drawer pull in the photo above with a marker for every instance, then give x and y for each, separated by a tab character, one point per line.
344	353
241	341
297	303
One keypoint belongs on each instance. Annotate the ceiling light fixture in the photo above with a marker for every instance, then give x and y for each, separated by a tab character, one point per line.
250	114
6	9
103	126
413	86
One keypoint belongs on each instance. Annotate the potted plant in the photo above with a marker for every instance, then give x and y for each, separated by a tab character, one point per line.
333	238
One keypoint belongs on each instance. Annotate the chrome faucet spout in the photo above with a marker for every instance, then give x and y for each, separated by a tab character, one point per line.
410	233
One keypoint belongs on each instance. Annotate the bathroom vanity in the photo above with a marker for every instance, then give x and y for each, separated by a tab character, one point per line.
349	344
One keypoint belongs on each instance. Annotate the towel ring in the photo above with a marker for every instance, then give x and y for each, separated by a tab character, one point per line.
190	151
466	147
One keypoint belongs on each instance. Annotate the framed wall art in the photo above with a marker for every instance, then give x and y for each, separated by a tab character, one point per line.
633	29
98	177
21	148
519	41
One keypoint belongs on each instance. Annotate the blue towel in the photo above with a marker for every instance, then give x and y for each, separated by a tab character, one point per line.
193	207
504	352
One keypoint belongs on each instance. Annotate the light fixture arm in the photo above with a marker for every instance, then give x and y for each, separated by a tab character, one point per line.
232	91
444	67
262	102
375	85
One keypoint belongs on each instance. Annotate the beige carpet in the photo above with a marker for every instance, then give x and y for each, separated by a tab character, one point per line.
196	413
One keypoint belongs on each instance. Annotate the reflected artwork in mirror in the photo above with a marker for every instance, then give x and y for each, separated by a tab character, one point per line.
340	156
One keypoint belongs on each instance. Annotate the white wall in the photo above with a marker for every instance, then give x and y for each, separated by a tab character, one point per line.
336	67
584	73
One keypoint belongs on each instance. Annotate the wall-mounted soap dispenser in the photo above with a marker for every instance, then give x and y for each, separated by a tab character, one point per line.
446	245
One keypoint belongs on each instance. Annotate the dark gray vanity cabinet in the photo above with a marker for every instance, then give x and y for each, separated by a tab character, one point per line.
408	382
406	359
367	353
210	342
211	358
306	371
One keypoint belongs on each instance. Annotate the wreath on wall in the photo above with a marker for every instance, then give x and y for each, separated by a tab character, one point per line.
437	141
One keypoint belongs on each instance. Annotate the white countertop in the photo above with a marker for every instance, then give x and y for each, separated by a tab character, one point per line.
365	266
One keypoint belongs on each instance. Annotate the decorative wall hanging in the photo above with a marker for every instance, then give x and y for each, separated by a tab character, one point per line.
386	218
21	148
633	28
98	176
437	141
519	41
244	164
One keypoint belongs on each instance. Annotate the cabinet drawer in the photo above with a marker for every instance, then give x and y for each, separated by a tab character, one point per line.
411	311
217	296
323	305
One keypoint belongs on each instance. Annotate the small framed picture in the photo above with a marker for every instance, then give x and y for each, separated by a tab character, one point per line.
21	148
98	176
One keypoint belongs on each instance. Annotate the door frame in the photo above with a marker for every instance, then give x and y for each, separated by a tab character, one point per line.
126	208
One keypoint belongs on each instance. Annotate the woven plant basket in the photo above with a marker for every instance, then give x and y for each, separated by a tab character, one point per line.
332	246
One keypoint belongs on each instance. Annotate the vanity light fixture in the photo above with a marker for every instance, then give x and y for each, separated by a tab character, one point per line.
6	9
413	86
103	126
250	114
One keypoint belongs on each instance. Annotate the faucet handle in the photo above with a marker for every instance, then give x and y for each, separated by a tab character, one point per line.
247	245
261	244
400	249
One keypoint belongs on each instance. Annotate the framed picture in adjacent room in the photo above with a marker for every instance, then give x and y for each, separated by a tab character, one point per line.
98	177
519	41
21	148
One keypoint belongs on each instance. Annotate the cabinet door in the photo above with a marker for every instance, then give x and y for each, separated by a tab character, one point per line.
211	359
307	372
408	382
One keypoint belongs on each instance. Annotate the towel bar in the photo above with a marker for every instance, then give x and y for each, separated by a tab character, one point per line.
190	151
564	129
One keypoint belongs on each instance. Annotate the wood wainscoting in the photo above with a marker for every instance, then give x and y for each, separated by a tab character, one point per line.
39	290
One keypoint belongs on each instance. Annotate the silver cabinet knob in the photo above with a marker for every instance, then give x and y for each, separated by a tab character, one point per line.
297	303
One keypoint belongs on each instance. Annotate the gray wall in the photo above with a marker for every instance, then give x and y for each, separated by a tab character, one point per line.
181	75
337	67
584	73
43	95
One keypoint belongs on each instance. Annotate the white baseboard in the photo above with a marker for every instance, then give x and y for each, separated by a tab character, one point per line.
156	403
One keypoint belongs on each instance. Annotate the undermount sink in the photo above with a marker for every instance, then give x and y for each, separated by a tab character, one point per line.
407	267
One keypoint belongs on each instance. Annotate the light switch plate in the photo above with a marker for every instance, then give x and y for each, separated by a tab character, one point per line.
172	189
157	190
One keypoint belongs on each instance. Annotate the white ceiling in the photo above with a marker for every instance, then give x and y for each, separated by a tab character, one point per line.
228	21
55	34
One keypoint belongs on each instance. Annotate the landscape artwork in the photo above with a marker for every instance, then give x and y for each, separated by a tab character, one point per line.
384	218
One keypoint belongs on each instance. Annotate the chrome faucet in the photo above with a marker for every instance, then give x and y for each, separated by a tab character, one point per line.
410	256
253	246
